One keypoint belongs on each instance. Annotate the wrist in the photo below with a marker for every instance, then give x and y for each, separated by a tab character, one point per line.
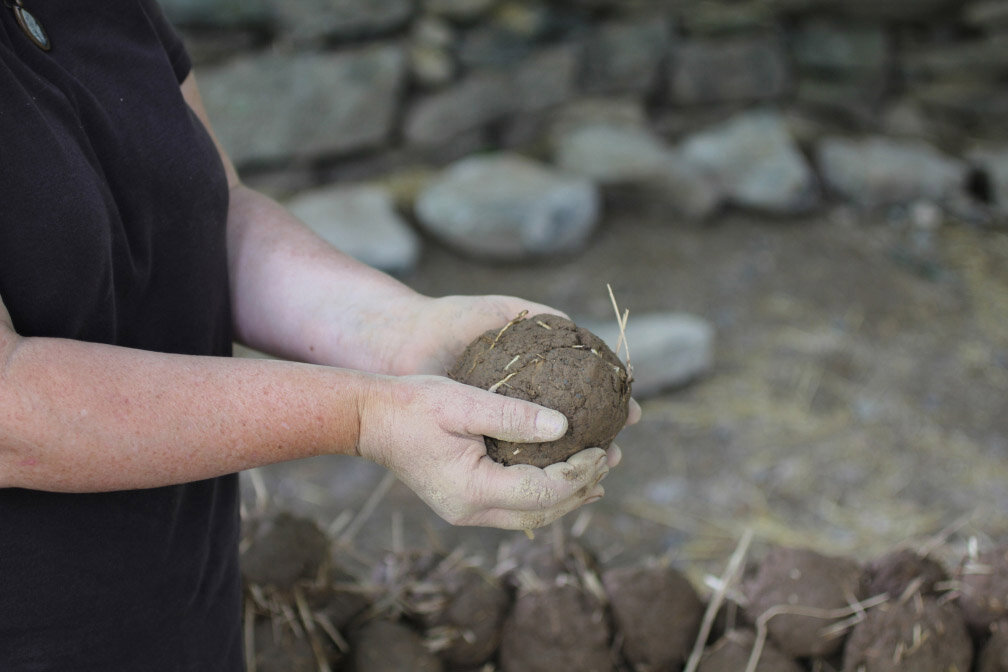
374	402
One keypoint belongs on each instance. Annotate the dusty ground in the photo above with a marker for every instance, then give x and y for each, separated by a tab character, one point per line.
859	397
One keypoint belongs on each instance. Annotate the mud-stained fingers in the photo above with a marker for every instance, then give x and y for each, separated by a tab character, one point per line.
522	487
509	519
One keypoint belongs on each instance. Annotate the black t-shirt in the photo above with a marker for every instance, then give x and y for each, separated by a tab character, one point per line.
113	204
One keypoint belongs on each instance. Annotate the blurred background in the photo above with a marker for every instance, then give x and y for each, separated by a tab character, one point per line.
802	203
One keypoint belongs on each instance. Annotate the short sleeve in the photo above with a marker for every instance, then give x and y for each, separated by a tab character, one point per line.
170	39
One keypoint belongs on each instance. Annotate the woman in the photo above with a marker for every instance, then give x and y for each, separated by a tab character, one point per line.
130	257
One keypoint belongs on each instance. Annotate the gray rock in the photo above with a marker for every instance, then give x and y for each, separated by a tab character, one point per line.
472	103
842	99
612	153
625	57
667	350
988	14
431	61
545	79
720	19
591	111
848	50
755	162
313	20
970	60
728	70
431	31
508	207
686	188
273	107
631	161
896	10
492	46
431	66
878	171
458	10
360	220
219	13
975	102
993	162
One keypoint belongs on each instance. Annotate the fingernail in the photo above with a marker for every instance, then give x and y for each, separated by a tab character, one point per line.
551	424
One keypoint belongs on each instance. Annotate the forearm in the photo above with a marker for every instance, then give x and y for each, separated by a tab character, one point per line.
295	296
78	417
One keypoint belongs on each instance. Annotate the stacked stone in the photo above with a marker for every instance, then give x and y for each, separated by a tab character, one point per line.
780	107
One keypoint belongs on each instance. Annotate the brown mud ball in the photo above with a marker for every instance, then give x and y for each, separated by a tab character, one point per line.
731	653
994	654
984	588
282	550
796	592
895	572
556	627
388	646
559	619
550	361
919	634
657	612
279	650
460	606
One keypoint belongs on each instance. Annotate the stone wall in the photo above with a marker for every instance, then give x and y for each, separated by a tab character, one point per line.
776	105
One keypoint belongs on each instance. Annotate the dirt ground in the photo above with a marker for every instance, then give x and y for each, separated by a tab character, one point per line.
859	398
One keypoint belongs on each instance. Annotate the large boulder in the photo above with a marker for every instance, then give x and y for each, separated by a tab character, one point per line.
504	206
361	221
878	171
273	107
756	162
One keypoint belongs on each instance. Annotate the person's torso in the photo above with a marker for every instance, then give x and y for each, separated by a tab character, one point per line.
113	207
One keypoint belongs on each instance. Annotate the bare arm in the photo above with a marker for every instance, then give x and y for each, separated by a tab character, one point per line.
86	417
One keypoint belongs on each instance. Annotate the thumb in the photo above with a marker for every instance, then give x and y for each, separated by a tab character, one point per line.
513	420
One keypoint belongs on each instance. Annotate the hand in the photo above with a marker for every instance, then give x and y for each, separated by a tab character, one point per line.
442	328
448	324
429	431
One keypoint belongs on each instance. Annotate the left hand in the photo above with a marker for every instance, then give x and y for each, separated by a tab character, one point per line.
448	324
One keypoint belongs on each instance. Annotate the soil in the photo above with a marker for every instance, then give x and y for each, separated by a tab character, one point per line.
657	613
984	580
920	634
994	655
387	646
282	549
732	651
551	361
807	587
556	627
457	605
902	570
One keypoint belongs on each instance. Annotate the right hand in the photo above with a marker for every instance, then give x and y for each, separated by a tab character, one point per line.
429	431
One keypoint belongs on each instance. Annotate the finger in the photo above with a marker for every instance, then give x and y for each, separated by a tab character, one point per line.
516	305
634	415
614	456
511	419
522	487
507	519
